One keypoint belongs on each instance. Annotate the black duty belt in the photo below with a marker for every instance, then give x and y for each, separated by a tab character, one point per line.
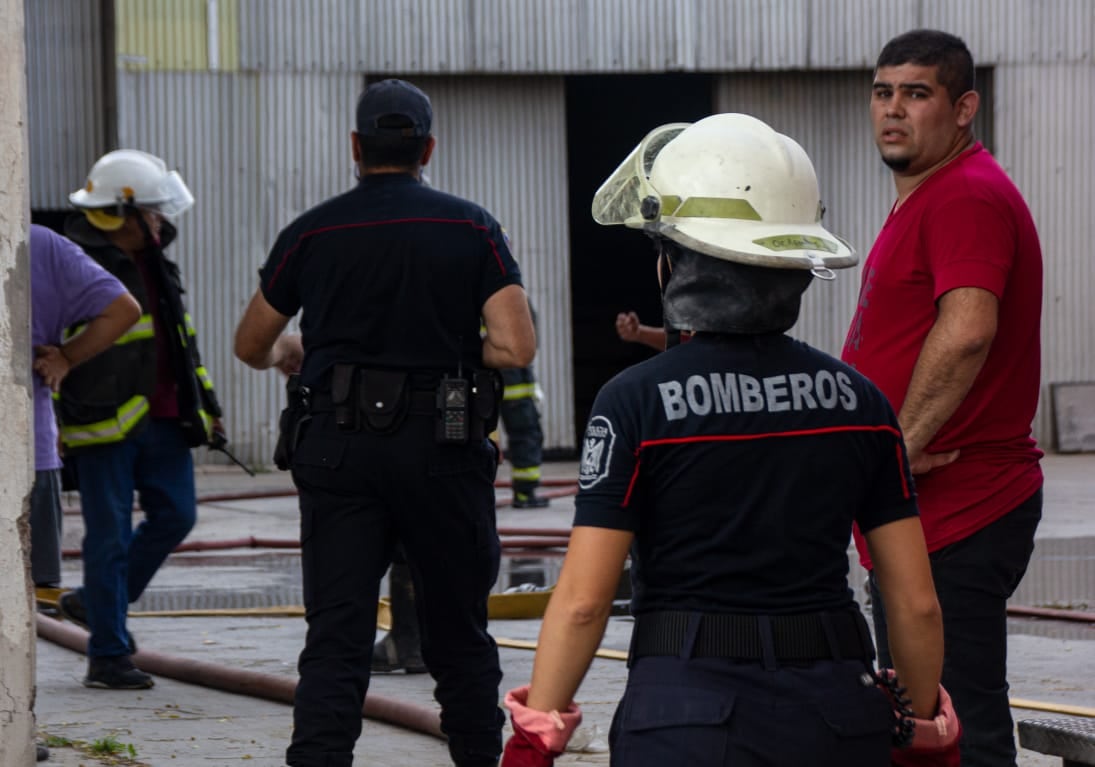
841	635
422	402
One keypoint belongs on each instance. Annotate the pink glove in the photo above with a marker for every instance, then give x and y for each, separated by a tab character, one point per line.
934	741
538	736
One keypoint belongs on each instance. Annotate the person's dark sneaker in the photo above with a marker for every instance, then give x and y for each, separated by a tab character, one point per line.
116	673
72	609
529	500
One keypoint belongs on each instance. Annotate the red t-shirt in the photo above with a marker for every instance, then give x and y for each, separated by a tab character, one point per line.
966	225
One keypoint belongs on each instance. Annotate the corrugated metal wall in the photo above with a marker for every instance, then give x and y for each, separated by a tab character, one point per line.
178	35
65	100
256	150
502	143
268	136
1041	111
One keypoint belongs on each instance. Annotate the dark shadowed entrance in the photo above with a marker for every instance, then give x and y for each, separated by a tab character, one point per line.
612	268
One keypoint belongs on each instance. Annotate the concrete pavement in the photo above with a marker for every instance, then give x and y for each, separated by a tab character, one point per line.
186	725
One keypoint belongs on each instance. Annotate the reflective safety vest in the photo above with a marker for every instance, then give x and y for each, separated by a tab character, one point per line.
130	415
106	399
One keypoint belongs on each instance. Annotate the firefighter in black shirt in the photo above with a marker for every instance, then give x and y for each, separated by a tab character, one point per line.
387	429
732	467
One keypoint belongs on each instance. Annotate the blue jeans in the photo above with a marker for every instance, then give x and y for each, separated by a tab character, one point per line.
974	578
118	560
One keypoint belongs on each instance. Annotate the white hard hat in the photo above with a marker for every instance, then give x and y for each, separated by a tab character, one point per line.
728	186
131	177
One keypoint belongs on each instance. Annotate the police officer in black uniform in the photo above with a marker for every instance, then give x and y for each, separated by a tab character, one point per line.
387	426
732	468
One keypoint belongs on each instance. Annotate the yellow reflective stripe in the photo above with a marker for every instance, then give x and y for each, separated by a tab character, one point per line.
190	331
709	207
203	376
143	329
207	422
72	332
531	474
519	391
108	430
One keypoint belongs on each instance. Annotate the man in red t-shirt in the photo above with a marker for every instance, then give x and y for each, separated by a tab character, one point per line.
948	327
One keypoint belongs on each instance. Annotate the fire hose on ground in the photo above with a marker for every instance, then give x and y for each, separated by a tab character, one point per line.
409	716
242	682
378	708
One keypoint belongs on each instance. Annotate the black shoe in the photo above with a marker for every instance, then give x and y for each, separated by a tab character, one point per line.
529	500
72	608
116	673
43	752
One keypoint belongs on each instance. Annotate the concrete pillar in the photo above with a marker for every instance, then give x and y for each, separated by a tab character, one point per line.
17	633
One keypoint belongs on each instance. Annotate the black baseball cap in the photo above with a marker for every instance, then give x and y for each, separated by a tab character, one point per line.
394	99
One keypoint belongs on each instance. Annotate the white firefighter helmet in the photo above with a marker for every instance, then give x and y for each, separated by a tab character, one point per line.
129	177
728	186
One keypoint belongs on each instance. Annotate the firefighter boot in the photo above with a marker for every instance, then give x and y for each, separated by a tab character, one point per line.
401	647
524	497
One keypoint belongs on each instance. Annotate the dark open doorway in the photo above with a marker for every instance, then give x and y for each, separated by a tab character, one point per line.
612	268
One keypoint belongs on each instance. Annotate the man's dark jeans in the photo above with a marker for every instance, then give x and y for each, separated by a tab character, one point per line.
974	578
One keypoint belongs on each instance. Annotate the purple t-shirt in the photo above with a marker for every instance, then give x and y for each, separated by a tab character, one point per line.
66	286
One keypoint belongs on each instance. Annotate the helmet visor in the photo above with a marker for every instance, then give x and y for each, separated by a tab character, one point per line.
176	197
619	200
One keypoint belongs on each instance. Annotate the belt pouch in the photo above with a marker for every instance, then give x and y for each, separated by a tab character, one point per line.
342	396
382	399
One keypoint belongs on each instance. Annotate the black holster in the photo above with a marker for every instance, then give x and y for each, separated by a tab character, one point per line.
487	386
291	422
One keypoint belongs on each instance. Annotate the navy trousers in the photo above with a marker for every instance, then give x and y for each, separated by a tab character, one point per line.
714	712
974	578
360	494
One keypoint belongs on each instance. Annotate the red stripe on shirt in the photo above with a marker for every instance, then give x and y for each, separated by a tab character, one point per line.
634	479
743	437
766	435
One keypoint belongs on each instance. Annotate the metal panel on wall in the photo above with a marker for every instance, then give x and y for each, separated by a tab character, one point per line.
348	35
65	97
1018	31
177	34
1037	114
502	143
256	150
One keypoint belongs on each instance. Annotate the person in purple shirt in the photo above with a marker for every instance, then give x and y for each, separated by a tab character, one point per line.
67	288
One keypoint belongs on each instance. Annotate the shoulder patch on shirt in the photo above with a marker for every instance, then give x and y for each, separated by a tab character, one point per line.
596	452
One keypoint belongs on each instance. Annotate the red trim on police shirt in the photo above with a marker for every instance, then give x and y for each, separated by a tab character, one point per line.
743	437
634	478
385	222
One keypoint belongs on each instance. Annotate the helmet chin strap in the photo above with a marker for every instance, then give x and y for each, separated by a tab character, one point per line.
665	273
150	240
